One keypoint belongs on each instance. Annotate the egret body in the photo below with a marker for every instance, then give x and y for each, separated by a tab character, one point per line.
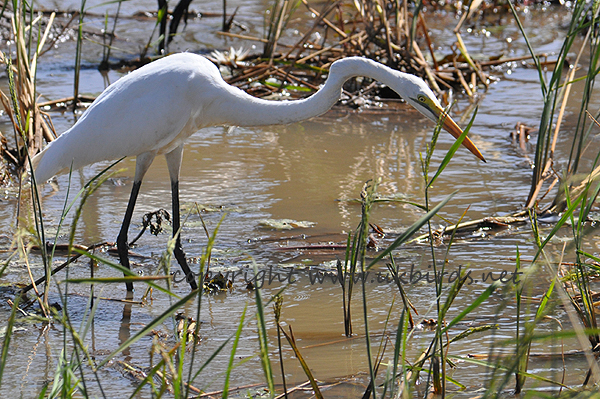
154	109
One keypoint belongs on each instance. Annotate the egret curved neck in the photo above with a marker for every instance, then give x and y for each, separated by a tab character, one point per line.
241	109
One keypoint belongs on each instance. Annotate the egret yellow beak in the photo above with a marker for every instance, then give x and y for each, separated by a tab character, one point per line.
431	108
451	127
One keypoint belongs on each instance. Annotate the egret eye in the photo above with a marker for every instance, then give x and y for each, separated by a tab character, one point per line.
421	98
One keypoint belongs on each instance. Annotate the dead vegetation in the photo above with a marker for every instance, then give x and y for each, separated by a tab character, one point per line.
386	31
32	127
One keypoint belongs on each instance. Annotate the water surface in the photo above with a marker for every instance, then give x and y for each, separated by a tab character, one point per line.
307	171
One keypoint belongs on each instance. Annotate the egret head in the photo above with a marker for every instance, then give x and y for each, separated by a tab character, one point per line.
416	92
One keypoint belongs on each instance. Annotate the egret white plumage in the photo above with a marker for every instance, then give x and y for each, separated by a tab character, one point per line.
154	109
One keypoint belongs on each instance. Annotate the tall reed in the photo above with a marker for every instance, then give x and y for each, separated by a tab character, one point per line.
556	89
279	14
78	50
576	194
31	125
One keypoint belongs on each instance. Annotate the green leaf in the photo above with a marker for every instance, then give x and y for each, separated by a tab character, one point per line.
149	327
410	231
129	275
232	355
453	150
482	297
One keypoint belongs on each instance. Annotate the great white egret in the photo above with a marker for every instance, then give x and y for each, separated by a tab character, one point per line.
154	109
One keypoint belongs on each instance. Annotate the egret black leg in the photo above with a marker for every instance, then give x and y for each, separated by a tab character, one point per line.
122	244
178	251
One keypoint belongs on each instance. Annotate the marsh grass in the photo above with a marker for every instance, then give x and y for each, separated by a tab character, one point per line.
169	370
576	195
576	302
280	14
401	376
556	90
31	125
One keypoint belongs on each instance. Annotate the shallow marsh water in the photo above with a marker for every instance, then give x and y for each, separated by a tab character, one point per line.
305	172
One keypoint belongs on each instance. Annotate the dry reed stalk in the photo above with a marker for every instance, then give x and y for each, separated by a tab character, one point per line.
73	258
550	187
320	18
463	50
254	71
566	92
462	80
428	72
31	125
429	43
280	23
330	48
286	76
503	60
443	79
55	103
388	36
331	25
244	37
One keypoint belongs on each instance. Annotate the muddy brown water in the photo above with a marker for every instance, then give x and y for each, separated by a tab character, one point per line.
307	171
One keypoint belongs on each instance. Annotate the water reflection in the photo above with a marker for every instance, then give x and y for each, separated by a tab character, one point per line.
125	327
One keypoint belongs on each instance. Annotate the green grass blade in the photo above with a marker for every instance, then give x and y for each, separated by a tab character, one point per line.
594	258
8	335
410	231
536	60
232	355
500	367
132	279
130	275
452	150
311	378
482	297
398	344
148	327
566	216
262	338
219	349
470	331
